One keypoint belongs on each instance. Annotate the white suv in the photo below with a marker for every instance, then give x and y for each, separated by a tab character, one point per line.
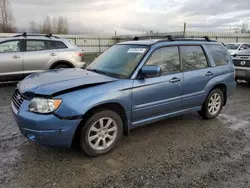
233	48
25	54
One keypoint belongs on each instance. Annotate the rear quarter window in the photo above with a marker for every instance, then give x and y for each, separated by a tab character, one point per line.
219	54
58	45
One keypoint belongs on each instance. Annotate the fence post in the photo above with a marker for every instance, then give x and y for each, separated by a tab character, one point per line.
115	38
184	29
237	39
99	44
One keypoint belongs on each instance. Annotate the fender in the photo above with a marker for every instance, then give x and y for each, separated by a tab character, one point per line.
77	103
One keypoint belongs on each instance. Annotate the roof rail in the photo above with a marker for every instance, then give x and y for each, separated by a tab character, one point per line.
207	38
36	35
51	35
175	38
194	38
169	37
145	37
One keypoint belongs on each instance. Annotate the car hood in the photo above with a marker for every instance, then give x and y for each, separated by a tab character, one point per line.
244	52
61	80
232	52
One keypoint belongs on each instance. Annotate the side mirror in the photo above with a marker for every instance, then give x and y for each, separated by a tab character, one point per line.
242	49
151	71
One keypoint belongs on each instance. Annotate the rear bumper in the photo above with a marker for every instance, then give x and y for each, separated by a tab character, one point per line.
242	72
79	64
45	129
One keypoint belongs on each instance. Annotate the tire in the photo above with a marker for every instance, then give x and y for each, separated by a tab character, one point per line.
207	112
62	66
248	82
92	137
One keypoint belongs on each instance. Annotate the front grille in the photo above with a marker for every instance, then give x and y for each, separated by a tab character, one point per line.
241	63
17	99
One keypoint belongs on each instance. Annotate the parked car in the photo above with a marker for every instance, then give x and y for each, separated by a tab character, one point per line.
233	48
24	54
131	84
242	65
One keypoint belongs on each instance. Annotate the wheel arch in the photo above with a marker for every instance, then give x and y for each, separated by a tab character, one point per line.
61	62
223	88
114	106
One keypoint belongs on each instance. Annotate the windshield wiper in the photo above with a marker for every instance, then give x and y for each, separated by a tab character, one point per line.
97	71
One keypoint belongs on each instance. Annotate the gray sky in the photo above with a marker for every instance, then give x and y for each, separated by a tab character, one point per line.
135	16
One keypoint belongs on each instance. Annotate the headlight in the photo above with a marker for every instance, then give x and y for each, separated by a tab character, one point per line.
44	106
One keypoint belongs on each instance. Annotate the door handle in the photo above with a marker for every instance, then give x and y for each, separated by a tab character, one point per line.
16	57
209	73
52	54
174	80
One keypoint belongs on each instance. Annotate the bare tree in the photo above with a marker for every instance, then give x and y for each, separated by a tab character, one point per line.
6	19
33	27
62	25
244	28
55	25
46	25
152	32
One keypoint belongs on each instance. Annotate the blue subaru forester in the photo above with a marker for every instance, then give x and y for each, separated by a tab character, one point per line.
131	84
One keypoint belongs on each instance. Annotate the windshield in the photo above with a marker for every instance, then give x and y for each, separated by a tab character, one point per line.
119	61
232	46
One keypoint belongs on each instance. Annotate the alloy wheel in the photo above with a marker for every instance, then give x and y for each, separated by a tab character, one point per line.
214	104
102	134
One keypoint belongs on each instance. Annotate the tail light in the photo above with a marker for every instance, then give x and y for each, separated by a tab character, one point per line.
80	54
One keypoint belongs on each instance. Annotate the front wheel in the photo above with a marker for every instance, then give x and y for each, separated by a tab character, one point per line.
101	133
213	104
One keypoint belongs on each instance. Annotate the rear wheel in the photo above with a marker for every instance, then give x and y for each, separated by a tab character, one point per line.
101	133
248	82
213	104
62	66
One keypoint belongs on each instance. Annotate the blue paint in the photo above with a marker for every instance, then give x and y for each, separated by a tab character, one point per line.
144	100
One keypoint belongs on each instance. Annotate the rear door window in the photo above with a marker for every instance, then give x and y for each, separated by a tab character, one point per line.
219	54
193	58
35	45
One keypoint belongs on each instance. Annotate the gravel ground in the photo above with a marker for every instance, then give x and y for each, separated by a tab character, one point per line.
185	151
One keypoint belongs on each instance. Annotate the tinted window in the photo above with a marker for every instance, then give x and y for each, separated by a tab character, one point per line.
167	58
35	45
58	45
10	46
193	58
219	54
